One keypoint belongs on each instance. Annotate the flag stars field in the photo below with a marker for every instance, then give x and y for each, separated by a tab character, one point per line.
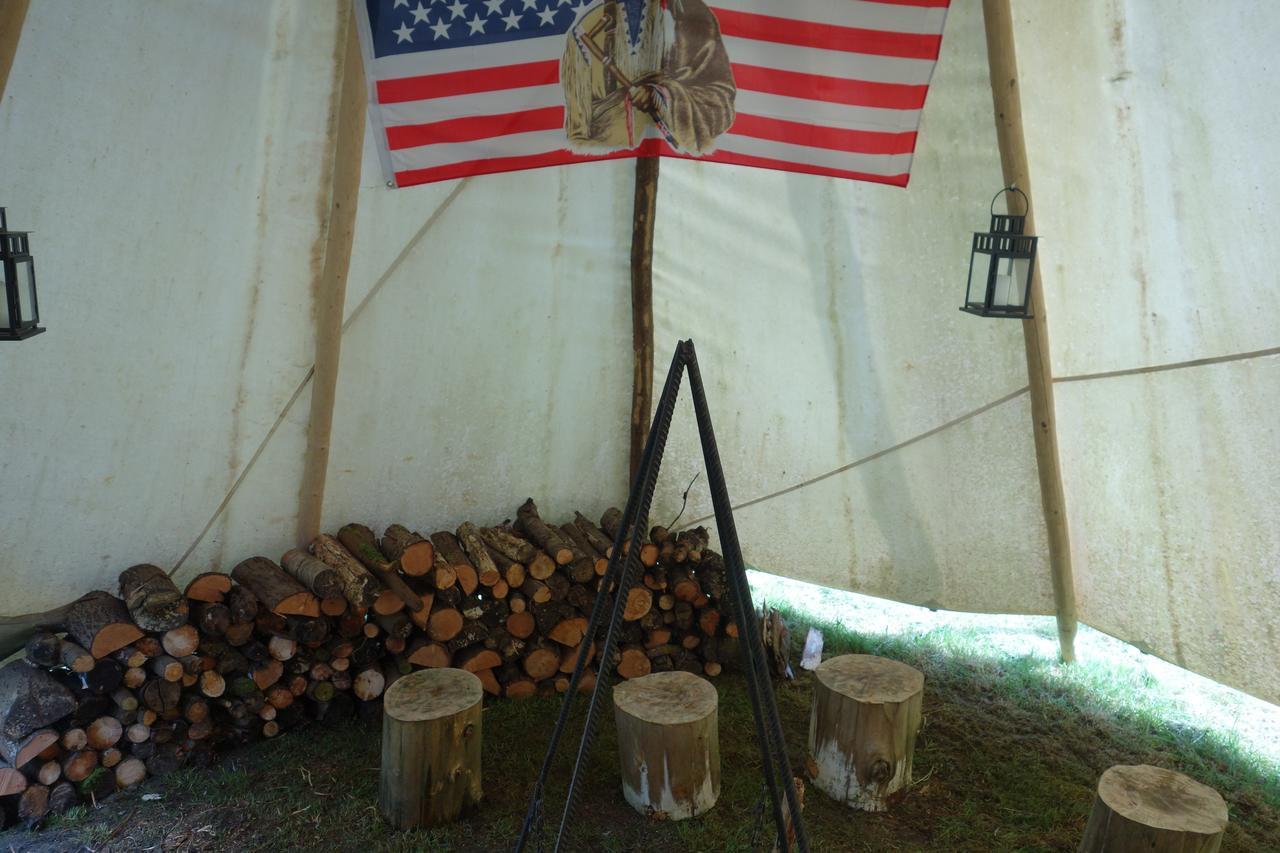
827	87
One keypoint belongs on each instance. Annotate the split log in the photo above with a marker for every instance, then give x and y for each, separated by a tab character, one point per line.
77	766
63	797
369	684
1140	807
548	538
598	562
445	623
508	544
212	619
535	591
639	602
862	730
569	632
33	805
489	682
360	541
212	684
316	575
19	752
477	659
211	587
104	732
359	587
633	662
242	604
130	772
520	688
521	625
668	743
12	781
486	570
43	648
611	522
593	534
541	661
30	699
541	566
74	738
152	598
271	585
100	622
415	554
181	641
161	696
432	655
168	668
431	736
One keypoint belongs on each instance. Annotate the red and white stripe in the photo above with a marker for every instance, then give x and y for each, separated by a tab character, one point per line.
827	87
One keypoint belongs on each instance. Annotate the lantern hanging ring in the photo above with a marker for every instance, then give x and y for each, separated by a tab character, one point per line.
1026	202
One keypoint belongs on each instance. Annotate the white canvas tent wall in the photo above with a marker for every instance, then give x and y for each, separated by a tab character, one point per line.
877	439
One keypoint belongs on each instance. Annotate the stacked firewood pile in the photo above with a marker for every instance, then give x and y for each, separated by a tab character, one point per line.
156	678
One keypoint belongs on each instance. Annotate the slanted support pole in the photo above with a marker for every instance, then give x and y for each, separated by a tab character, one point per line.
331	297
1003	65
12	14
646	202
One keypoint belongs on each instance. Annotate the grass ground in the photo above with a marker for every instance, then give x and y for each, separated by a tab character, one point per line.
1008	758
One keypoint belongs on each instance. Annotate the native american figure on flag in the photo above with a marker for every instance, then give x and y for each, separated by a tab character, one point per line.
634	64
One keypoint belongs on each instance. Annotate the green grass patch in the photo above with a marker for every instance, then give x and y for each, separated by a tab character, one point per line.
1010	751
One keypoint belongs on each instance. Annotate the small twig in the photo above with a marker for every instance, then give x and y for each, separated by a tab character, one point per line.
684	501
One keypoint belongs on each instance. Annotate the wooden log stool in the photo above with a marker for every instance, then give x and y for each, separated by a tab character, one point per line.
430	748
668	744
1140	807
862	730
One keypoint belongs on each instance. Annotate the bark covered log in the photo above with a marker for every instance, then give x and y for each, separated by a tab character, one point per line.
415	554
316	575
360	541
275	588
153	600
547	537
359	587
30	699
101	623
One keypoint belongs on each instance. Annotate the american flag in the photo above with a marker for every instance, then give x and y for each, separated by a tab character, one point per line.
827	87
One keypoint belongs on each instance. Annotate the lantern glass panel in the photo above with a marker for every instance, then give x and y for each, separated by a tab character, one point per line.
979	274
1010	284
5	321
26	293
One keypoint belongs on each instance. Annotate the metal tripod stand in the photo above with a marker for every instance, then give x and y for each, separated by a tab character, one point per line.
622	573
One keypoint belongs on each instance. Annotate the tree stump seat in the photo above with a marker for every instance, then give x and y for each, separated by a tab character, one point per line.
1140	807
430	748
862	730
668	744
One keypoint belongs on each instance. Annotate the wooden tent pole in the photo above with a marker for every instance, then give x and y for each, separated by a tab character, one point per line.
332	285
1003	65
12	14
646	201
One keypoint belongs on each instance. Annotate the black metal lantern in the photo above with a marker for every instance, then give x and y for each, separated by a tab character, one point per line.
1001	265
19	309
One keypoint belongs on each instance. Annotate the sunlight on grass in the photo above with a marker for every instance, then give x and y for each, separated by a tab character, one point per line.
1023	650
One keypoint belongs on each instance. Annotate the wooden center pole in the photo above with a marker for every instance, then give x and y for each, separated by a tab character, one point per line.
331	294
1003	65
646	202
